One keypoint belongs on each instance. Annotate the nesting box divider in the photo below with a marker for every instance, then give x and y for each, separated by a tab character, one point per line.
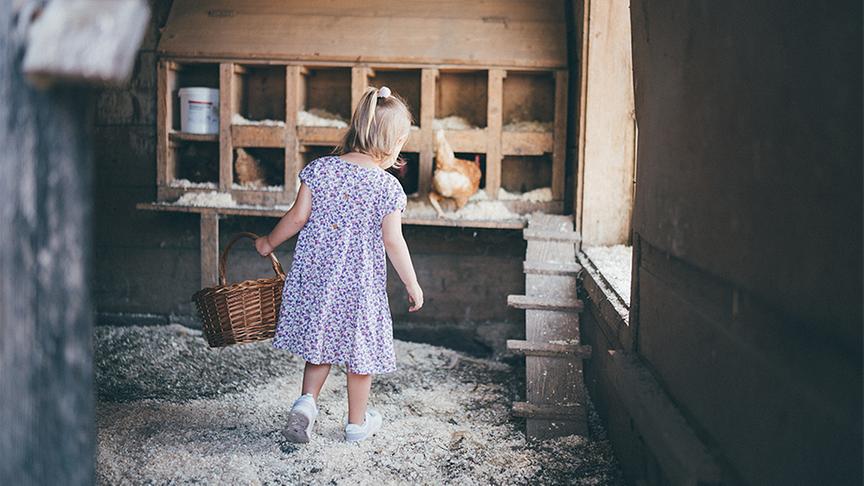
428	83
229	100
293	87
495	92
359	82
166	83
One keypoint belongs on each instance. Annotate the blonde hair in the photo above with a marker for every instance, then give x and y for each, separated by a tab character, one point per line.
380	119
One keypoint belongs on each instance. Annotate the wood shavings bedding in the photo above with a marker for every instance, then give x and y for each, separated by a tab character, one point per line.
206	199
452	123
614	263
187	184
528	126
171	410
238	119
320	118
255	187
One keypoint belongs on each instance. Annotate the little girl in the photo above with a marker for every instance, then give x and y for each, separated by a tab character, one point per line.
334	303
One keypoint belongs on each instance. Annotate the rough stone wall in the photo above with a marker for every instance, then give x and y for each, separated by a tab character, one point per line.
147	262
747	234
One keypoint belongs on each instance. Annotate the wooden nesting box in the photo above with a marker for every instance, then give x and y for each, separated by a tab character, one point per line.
274	63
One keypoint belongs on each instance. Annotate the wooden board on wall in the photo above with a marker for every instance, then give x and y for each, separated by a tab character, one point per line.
508	33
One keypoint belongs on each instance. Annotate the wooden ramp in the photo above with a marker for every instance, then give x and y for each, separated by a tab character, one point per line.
552	348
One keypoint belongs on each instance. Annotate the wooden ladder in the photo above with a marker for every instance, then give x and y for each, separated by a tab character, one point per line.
553	351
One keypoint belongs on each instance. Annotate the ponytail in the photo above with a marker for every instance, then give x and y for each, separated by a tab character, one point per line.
379	121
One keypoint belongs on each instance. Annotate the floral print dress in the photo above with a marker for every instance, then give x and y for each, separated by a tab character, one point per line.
334	303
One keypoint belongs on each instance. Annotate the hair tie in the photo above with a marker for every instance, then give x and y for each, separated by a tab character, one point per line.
383	92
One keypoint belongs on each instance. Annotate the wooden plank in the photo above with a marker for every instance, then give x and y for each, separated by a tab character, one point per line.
192	137
293	161
227	108
165	167
278	212
527	143
257	136
551	235
495	96
560	412
541	303
320	135
548	349
559	152
583	91
209	242
505	38
428	79
474	141
684	458
546	268
359	83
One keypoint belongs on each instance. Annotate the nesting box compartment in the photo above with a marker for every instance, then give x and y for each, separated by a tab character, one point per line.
287	100
258	169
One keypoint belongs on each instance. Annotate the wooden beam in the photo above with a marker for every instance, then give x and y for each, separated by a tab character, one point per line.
428	79
227	109
165	167
559	151
554	350
293	100
543	303
494	122
209	243
359	83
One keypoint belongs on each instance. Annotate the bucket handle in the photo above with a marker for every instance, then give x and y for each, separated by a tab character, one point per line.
223	259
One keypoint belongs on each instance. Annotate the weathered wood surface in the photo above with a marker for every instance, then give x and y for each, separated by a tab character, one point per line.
544	268
553	364
673	442
209	244
46	377
495	33
494	122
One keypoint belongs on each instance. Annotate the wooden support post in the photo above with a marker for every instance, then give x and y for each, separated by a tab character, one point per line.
494	123
209	241
359	83
428	78
47	430
292	147
227	108
559	151
165	163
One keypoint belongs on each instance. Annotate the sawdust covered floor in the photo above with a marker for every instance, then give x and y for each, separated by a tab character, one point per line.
172	411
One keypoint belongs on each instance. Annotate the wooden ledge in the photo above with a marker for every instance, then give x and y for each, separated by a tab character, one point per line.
565	269
533	302
532	348
550	412
551	235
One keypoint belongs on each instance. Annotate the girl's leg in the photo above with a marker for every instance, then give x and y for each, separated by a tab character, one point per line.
358	396
314	376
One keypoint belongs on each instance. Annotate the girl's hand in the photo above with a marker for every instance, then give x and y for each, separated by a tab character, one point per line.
262	244
415	297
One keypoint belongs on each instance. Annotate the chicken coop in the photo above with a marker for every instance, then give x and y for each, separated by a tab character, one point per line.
288	76
486	80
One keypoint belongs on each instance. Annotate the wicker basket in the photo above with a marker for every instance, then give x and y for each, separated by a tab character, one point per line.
243	312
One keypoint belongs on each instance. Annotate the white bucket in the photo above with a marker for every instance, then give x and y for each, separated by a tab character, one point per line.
199	110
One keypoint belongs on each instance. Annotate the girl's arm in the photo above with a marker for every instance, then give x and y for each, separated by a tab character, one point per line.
290	224
397	250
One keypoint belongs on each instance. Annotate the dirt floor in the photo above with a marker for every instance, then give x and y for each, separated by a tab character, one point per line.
172	411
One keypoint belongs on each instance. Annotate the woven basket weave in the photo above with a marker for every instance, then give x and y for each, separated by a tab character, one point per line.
242	312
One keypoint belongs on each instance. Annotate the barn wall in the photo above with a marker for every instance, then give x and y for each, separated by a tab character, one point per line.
747	229
147	262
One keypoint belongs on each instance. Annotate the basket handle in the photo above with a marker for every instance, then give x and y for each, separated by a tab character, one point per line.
223	259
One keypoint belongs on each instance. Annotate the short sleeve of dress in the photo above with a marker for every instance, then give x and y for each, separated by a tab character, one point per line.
308	174
394	199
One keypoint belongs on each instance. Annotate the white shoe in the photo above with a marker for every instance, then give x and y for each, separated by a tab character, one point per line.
372	424
301	419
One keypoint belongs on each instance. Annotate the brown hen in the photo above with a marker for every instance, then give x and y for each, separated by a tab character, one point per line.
454	178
